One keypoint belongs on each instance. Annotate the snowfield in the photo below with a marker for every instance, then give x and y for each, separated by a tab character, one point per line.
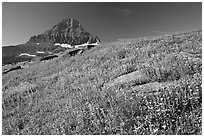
85	44
26	54
75	46
40	52
66	46
57	44
63	45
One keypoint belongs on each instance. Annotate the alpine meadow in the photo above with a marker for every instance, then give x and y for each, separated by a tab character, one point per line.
101	68
150	85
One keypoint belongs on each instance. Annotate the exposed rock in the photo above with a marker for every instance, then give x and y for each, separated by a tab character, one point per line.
12	69
133	78
90	46
68	31
150	87
66	34
94	39
48	57
75	51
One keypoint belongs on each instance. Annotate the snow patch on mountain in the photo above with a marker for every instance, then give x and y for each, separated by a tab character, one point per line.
64	45
85	44
57	44
40	52
26	54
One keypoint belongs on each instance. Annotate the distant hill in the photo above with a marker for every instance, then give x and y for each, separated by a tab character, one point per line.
68	31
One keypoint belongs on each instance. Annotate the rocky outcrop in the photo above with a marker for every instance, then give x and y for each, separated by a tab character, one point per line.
94	39
133	78
12	69
68	31
48	57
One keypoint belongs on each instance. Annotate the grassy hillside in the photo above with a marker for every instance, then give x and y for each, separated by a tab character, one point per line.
140	86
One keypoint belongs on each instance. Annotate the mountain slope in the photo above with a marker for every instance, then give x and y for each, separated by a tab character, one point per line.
68	31
143	86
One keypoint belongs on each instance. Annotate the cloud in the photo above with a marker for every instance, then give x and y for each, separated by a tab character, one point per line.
123	11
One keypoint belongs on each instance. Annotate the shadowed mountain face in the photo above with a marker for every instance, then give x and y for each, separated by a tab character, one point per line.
68	31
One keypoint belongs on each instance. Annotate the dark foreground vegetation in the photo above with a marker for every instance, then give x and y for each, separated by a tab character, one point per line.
137	86
10	54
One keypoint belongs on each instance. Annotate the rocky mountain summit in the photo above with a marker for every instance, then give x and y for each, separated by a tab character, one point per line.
68	31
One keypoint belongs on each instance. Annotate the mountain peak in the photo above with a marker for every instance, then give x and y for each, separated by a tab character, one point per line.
68	31
66	24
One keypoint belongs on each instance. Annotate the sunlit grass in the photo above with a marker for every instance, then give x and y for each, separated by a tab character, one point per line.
72	95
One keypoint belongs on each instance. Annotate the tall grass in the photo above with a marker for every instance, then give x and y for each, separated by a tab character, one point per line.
73	96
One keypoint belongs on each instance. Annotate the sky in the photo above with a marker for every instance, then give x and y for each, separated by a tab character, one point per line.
109	21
